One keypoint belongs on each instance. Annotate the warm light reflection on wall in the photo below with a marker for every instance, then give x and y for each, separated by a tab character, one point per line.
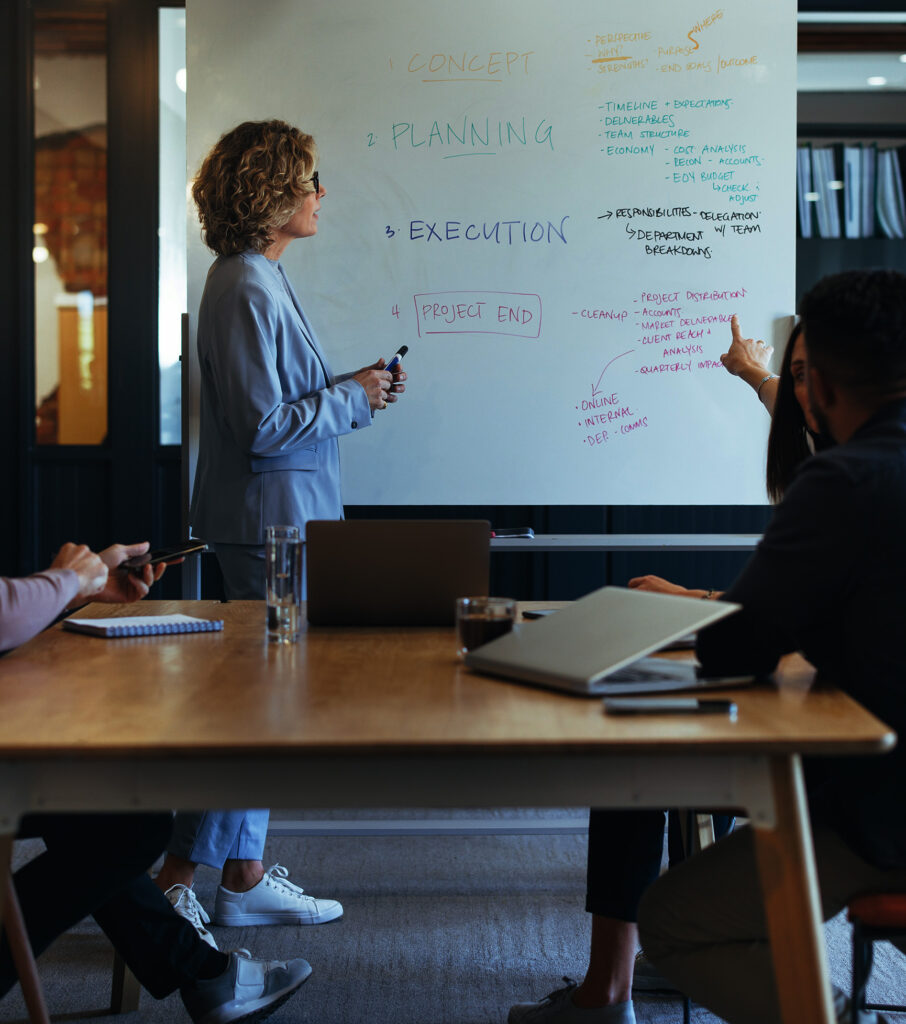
85	307
39	252
70	221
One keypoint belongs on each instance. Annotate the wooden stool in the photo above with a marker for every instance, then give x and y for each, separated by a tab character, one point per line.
125	989
20	947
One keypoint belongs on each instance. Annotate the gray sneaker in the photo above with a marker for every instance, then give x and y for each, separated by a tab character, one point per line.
844	1011
248	990
559	1008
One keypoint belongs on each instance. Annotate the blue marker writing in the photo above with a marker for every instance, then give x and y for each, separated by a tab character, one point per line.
395	361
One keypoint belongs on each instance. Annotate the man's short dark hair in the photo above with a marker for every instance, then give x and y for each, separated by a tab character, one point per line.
855	330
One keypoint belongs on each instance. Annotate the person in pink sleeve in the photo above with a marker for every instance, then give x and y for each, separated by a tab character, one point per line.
160	947
77	575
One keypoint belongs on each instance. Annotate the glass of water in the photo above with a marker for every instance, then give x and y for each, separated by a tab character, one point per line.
283	556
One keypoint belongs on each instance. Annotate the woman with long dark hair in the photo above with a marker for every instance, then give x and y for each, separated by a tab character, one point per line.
792	424
793	437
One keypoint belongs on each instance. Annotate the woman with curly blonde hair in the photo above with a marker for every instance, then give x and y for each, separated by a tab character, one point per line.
271	408
271	413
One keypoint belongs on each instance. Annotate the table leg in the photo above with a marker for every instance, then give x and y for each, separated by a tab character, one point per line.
789	882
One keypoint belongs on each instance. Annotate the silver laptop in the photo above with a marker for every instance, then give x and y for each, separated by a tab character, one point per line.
425	564
597	645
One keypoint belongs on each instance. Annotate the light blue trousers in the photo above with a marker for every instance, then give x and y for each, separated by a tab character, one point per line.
212	837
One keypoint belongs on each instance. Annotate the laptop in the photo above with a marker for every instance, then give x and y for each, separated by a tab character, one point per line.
394	572
596	646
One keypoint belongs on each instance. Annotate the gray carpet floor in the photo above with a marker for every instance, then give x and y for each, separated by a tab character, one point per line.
437	930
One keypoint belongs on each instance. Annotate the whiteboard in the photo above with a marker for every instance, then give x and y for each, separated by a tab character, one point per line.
557	207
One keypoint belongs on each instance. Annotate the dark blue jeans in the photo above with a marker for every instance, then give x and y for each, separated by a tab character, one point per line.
625	849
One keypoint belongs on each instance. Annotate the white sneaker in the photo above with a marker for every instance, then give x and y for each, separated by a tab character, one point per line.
184	901
248	990
274	900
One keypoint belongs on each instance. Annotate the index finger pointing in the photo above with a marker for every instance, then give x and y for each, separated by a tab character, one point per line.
734	328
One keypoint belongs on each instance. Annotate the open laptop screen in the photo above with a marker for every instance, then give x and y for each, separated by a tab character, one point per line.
394	572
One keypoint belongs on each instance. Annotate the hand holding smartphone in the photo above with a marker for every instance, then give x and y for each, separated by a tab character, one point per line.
173	553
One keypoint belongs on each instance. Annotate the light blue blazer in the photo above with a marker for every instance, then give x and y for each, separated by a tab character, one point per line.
271	410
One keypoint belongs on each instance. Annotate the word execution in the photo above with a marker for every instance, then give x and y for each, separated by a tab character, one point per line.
497	232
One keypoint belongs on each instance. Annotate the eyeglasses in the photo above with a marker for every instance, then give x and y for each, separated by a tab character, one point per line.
316	181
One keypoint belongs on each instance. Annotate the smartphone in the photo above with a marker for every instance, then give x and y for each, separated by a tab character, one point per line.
168	554
538	613
513	531
669	706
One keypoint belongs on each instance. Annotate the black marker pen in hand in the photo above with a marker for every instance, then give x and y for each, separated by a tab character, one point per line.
394	365
397	359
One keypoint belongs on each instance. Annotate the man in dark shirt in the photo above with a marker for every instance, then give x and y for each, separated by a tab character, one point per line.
826	580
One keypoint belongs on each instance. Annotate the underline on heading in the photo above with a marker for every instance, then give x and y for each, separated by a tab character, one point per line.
493	81
454	156
604	60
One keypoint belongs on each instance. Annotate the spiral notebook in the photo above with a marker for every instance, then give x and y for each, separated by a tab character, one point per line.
143	625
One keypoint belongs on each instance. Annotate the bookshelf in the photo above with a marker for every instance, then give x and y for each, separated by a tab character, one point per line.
854	121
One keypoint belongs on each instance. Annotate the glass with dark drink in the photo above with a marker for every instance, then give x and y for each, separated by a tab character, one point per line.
482	619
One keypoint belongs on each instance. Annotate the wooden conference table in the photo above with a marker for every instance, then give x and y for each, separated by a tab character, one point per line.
388	718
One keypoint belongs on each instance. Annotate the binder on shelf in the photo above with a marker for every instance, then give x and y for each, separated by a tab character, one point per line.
901	183
827	184
143	625
867	198
890	204
820	205
852	191
804	190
